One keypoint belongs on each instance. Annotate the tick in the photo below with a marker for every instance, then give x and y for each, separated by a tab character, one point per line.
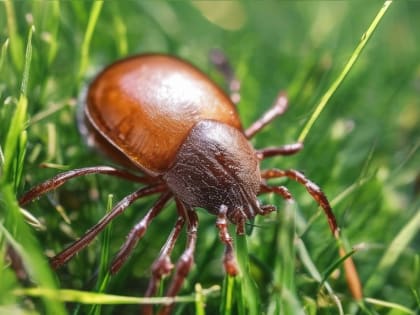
164	119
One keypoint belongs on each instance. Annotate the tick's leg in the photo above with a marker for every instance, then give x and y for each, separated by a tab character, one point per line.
119	208
312	188
352	276
229	259
186	260
277	109
61	178
287	149
278	190
162	266
220	61
137	233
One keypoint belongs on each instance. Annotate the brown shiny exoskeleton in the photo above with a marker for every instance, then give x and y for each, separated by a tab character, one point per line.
161	116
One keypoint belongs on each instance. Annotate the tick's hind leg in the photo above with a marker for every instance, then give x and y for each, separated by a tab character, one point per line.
352	276
119	208
60	179
185	262
162	266
137	233
312	188
278	190
287	149
222	64
277	109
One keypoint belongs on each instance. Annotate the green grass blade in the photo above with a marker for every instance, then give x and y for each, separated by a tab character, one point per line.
19	235
15	142
227	295
16	44
121	31
54	21
3	53
105	251
394	306
353	58
391	255
87	297
27	65
200	300
15	229
103	276
310	266
247	294
416	280
84	54
284	273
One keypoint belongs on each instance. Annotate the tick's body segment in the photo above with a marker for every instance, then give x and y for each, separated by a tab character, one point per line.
162	116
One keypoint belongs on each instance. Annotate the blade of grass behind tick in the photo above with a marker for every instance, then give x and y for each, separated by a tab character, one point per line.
120	29
246	294
46	16
284	274
4	127
355	285
337	82
3	52
227	296
378	279
18	235
51	26
84	52
416	279
104	276
87	297
15	142
398	308
314	272
14	228
200	300
16	44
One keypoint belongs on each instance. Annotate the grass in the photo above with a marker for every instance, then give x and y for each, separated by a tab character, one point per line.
362	150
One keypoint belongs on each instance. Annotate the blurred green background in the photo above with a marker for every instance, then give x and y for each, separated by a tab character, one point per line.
363	149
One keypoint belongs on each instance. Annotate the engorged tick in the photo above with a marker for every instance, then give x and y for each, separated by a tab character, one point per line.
159	115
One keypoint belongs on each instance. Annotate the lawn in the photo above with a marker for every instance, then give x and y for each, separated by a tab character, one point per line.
362	149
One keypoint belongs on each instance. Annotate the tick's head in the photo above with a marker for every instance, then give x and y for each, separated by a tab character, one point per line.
216	166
